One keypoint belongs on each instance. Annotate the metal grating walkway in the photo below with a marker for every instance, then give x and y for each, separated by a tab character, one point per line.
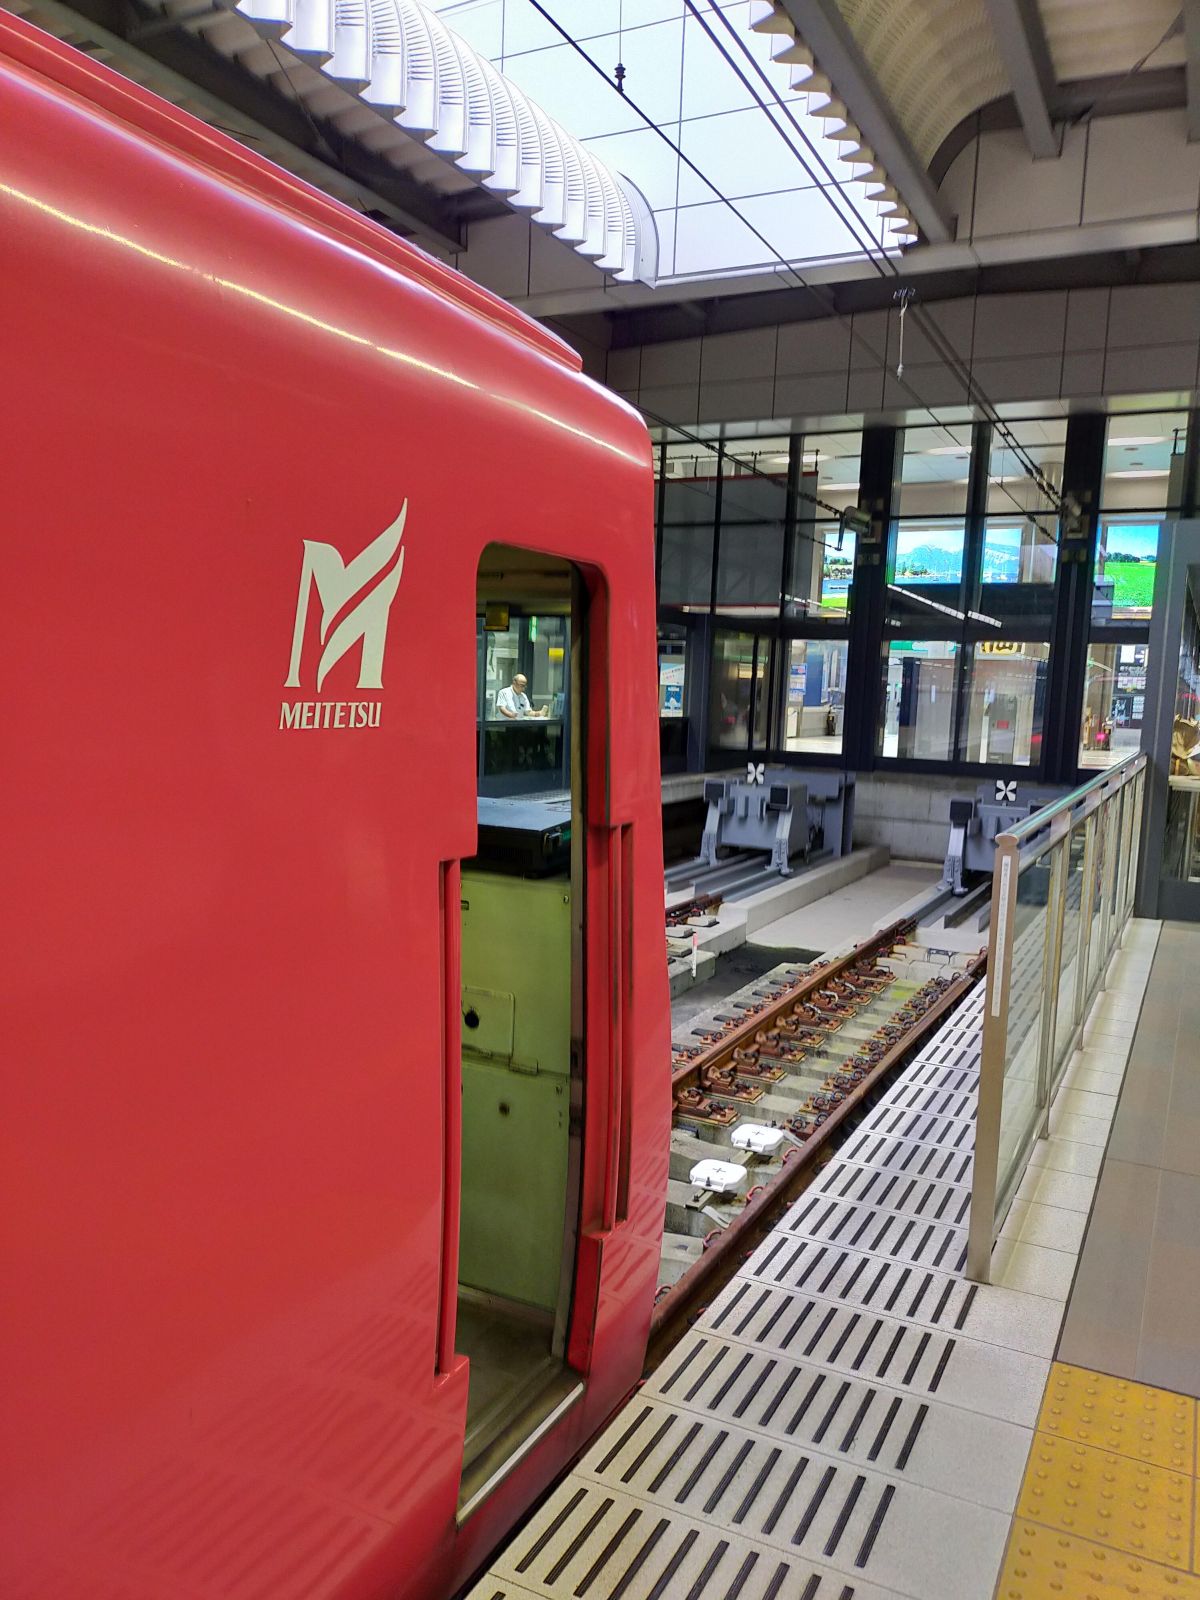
849	1420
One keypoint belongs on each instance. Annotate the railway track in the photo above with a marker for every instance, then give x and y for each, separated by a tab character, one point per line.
767	1084
702	905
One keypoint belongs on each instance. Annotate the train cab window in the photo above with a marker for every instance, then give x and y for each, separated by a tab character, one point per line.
521	921
521	699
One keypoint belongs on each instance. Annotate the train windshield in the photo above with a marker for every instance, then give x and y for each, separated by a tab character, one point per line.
522	933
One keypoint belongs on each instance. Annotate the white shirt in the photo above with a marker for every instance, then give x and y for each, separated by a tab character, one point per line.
517	705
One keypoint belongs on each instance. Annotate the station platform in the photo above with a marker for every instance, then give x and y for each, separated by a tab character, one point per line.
852	1419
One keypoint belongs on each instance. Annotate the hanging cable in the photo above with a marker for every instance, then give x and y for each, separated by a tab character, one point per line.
882	263
823	299
902	297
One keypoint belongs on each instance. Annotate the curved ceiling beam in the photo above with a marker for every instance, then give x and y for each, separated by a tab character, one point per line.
402	60
821	26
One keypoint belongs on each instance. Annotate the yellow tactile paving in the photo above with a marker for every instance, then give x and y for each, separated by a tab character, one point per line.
1110	1504
1043	1564
1094	1494
1116	1414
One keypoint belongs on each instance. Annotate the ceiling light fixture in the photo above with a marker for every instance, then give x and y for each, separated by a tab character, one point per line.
1140	472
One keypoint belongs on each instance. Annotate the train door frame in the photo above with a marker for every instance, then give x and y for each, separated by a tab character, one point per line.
584	714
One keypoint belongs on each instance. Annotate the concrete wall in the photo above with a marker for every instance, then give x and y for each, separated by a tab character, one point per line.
1079	345
910	815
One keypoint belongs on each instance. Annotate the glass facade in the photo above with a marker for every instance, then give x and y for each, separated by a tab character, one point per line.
1006	702
815	696
689	475
920	699
738	678
966	578
1114	703
1020	549
1143	485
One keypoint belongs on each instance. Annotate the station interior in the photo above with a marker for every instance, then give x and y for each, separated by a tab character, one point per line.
907	296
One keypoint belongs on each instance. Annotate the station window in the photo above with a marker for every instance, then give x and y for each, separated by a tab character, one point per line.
753	516
920	695
1006	702
1143	482
833	463
822	572
685	580
672	673
935	472
690	468
689	507
822	563
672	698
1114	702
738	695
928	551
750	564
757	461
1126	566
1011	487
814	700
1144	461
925	589
1020	549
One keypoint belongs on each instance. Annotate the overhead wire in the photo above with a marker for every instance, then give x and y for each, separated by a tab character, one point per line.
1085	116
828	307
878	258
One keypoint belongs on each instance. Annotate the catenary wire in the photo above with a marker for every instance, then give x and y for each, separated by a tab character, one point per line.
823	301
879	259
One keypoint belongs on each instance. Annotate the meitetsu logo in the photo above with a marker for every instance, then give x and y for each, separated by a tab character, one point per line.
356	598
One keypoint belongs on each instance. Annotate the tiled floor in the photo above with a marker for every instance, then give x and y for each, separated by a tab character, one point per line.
1108	1501
1135	1307
850	1395
854	912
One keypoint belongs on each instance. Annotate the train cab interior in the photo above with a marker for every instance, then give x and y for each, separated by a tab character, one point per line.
521	920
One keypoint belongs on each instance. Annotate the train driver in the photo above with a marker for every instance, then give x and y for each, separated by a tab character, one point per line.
513	702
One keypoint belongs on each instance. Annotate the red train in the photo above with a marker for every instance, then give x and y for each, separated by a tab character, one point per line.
333	1151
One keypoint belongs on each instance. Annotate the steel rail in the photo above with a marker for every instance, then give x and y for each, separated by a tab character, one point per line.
675	1310
816	978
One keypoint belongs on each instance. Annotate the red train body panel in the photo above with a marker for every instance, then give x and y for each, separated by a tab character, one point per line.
227	1153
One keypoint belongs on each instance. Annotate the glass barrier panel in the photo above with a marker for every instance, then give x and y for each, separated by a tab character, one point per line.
1112	819
1124	820
1095	900
1069	986
1019	1116
1055	925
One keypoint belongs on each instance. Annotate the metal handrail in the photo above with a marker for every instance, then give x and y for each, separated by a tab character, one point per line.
1106	879
1124	769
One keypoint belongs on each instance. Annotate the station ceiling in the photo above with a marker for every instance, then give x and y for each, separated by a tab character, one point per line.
622	158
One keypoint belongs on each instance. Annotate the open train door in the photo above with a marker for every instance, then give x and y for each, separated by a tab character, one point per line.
529	935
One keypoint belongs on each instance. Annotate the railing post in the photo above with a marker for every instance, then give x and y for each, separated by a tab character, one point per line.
984	1178
1087	900
1051	970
